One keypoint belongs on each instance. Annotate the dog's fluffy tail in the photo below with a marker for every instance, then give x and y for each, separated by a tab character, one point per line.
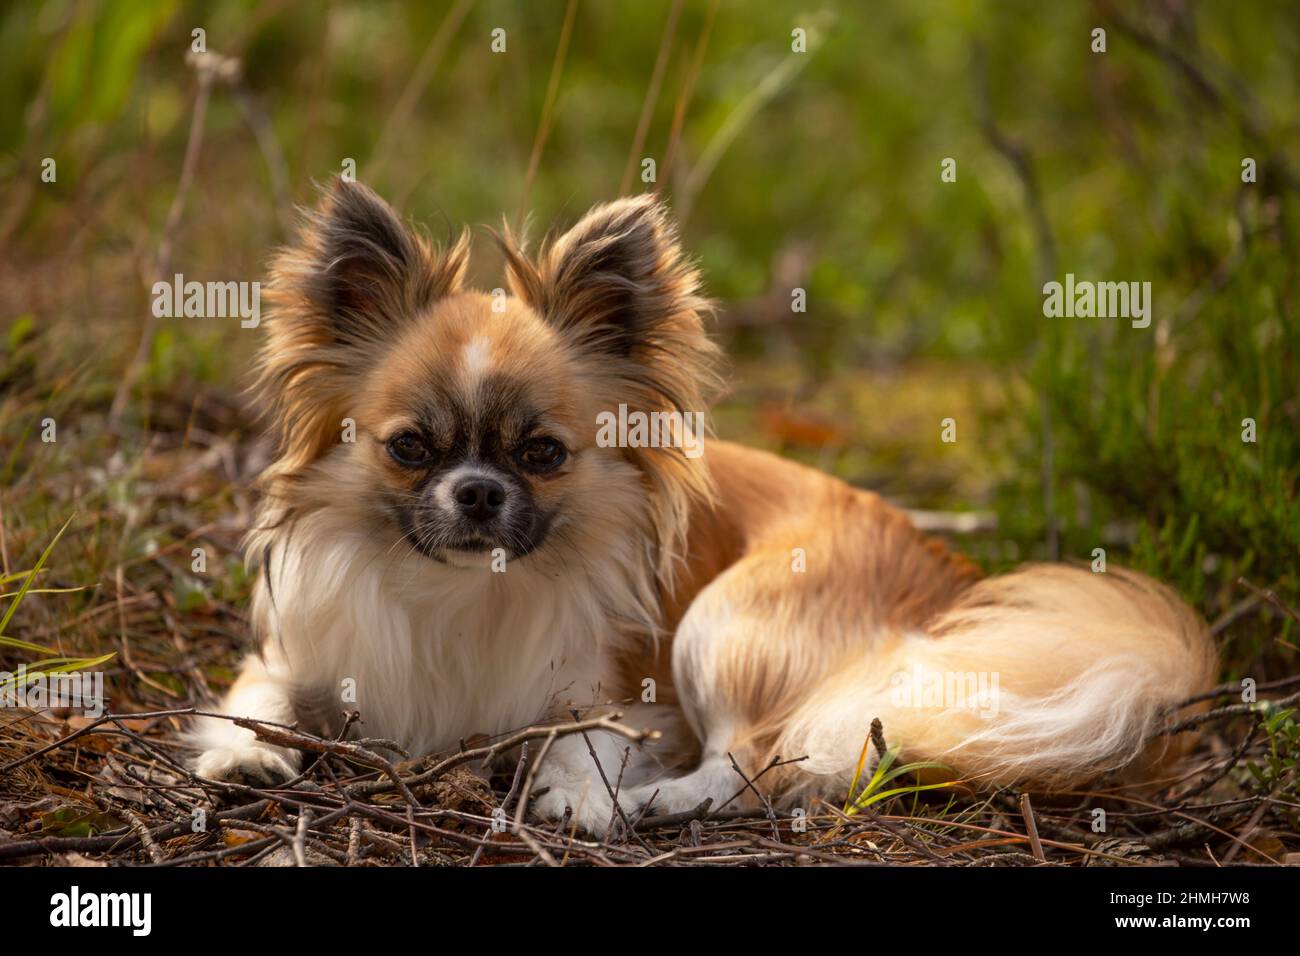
1043	678
1079	670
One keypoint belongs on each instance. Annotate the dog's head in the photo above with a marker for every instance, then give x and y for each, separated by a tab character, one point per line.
467	422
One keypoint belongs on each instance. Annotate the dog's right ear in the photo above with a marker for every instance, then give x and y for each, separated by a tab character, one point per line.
358	271
355	277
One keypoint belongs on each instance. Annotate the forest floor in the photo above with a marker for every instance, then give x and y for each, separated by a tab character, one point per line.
115	789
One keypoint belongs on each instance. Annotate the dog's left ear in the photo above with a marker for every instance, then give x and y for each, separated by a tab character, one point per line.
619	286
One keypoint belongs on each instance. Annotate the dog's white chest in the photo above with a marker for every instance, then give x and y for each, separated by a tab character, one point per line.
431	655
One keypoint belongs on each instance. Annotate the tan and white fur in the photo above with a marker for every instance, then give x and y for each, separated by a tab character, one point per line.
776	610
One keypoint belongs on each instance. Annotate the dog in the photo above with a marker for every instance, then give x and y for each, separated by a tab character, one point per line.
446	545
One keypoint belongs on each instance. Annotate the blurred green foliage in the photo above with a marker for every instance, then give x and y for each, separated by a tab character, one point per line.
1123	166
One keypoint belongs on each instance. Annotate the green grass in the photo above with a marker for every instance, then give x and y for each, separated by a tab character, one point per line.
874	788
51	661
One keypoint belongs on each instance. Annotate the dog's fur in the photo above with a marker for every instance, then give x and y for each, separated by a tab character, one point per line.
776	610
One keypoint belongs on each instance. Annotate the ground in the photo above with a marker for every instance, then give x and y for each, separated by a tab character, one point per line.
114	790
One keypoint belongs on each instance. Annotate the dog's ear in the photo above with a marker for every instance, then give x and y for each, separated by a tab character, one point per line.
619	286
356	276
358	271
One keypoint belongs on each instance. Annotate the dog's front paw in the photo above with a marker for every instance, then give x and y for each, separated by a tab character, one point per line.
590	811
252	763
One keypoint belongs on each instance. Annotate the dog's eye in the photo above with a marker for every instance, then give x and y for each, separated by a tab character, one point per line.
408	449
542	454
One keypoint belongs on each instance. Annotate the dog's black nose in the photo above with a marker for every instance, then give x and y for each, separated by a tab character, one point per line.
480	498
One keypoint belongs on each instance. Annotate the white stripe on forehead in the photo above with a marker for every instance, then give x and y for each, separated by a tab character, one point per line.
475	363
476	358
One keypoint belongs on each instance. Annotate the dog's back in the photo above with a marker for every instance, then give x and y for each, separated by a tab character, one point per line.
833	610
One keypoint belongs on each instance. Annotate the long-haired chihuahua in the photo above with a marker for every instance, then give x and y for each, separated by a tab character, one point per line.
453	540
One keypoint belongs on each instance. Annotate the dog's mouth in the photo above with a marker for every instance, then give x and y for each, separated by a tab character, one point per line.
467	555
457	551
474	548
469	550
474	545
